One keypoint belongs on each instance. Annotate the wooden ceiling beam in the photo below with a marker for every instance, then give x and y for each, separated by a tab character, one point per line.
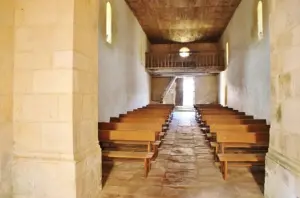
183	20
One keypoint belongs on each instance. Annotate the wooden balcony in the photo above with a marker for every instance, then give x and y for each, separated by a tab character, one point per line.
196	62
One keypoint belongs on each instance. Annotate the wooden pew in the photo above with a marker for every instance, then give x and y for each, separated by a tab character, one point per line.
160	106
220	112
149	116
241	140
162	121
149	113
225	117
238	127
132	126
213	130
129	136
208	106
235	121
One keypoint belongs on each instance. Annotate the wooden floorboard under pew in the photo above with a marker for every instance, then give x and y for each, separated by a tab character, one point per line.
129	136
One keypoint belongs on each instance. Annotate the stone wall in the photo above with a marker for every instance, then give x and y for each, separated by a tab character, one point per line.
123	82
248	72
283	159
6	87
56	149
206	89
87	152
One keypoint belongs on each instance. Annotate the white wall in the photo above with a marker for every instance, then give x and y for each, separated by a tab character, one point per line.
206	89
248	72
123	81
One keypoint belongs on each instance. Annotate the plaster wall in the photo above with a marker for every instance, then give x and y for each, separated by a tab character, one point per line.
248	71
158	87
206	89
170	95
124	83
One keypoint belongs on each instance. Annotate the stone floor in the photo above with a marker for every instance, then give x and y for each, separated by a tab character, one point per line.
184	168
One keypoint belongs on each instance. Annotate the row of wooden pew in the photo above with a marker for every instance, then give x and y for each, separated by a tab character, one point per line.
136	134
237	139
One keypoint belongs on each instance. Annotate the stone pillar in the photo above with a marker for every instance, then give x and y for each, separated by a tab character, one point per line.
179	92
6	88
56	151
283	158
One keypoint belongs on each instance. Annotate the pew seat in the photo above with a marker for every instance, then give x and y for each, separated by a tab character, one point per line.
146	156
229	159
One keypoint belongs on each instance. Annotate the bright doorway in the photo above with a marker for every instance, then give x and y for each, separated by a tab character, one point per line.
188	91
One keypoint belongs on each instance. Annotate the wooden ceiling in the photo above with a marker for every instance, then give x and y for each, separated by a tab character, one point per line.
167	21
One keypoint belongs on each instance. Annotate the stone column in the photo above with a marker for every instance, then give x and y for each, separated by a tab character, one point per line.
6	87
56	151
283	158
179	92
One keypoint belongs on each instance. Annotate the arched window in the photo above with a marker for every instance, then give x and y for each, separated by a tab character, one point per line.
227	53
184	52
260	26
108	23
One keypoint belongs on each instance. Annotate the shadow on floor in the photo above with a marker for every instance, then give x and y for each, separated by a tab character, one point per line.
259	176
107	167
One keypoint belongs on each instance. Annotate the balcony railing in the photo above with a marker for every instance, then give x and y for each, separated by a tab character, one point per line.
194	60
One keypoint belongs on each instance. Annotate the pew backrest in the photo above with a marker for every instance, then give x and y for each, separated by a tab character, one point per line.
249	138
240	127
129	126
115	135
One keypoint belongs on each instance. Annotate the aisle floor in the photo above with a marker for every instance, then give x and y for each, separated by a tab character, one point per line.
184	168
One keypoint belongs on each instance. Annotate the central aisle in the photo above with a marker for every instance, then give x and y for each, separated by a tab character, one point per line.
184	168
